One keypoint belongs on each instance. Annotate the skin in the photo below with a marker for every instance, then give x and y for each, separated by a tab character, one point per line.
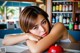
41	28
39	39
57	32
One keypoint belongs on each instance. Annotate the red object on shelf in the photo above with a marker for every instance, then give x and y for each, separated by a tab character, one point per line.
55	49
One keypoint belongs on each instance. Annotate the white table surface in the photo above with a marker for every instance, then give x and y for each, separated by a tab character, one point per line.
22	48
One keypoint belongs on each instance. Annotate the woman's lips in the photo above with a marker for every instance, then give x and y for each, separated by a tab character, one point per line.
44	34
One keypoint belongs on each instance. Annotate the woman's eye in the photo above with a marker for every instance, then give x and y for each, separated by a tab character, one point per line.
35	27
44	22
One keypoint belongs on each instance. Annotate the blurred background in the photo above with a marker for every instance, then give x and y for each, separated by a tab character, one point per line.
65	11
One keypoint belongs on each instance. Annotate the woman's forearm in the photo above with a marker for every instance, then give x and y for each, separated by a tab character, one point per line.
14	39
47	41
42	45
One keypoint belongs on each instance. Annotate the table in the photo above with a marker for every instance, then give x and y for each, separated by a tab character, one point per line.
68	47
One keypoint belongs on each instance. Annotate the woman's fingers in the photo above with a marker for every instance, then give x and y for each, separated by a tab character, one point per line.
33	38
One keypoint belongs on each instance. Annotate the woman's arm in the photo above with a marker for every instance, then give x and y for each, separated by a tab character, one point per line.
52	37
14	39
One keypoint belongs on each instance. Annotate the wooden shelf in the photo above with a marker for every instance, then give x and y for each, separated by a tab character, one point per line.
68	1
62	12
23	0
62	1
64	24
39	2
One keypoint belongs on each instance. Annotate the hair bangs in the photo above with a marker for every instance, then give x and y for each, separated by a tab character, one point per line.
31	19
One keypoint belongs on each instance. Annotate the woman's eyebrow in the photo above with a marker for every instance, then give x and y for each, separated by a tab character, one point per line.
35	25
43	20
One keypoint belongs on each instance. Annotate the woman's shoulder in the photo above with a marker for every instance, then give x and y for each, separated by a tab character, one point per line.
57	27
59	24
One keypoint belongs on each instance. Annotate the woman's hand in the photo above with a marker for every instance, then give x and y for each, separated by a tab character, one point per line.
33	37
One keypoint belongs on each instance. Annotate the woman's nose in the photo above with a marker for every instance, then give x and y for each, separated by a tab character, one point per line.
41	28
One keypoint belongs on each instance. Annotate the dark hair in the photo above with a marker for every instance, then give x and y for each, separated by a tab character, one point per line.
29	15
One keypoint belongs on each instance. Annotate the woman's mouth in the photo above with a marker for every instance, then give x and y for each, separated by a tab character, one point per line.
43	35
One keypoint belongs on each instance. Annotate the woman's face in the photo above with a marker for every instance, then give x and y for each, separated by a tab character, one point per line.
41	27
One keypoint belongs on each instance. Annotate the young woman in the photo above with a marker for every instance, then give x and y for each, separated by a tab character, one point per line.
39	34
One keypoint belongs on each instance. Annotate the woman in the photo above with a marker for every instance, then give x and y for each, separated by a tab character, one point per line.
38	31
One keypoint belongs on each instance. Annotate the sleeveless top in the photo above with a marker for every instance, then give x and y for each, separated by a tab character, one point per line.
66	40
